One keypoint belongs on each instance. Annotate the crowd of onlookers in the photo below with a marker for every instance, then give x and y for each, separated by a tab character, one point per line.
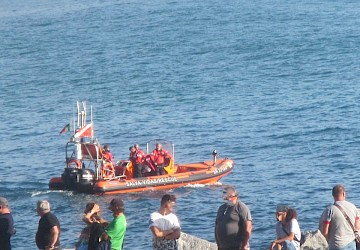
340	223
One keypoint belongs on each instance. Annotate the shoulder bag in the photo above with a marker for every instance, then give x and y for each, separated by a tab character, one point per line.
357	236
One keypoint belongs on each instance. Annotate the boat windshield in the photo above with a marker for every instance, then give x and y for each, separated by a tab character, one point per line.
167	145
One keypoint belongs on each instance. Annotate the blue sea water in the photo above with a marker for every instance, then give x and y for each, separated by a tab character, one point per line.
273	85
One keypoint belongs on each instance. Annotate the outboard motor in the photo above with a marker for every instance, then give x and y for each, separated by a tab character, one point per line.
70	178
86	180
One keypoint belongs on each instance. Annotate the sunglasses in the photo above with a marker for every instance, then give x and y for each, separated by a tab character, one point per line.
230	197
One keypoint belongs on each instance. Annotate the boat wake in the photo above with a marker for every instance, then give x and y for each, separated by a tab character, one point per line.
37	193
203	185
195	185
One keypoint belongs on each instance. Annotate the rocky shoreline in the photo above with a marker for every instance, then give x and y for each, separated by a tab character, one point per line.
313	240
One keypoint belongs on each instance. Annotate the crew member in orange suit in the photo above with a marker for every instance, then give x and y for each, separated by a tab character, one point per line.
158	156
107	155
137	157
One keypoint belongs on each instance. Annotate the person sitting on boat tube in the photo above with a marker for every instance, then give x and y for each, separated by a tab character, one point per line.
137	157
107	155
158	156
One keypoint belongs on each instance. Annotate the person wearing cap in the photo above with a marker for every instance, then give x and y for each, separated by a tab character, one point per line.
233	224
287	229
6	225
48	233
117	227
334	226
164	225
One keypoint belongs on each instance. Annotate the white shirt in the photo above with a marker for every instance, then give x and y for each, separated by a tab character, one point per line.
164	222
291	227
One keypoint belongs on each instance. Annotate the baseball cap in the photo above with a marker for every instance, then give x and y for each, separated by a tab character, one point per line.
282	208
117	202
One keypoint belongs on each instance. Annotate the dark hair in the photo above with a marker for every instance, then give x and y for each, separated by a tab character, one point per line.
231	189
106	148
89	206
291	214
118	204
121	210
338	190
167	198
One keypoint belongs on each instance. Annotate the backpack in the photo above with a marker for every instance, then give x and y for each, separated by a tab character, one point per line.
99	239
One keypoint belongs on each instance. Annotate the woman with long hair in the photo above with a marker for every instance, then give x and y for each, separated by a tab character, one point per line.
92	215
287	229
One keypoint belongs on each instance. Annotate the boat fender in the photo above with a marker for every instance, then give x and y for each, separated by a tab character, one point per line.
77	163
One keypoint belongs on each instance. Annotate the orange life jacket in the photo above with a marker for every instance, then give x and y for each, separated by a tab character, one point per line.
137	157
158	156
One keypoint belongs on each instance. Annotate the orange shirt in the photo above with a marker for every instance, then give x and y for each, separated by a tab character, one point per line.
137	157
108	156
158	156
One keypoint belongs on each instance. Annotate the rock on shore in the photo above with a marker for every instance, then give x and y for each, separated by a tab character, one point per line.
313	240
189	242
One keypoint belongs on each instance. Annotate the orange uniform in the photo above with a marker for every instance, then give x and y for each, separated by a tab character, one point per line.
107	155
137	157
158	156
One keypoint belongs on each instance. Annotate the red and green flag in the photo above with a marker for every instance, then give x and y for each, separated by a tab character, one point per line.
65	129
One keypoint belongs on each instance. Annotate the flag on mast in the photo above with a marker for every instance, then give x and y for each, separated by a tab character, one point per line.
66	128
86	131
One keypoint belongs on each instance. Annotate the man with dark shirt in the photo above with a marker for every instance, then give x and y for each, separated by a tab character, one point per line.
233	223
6	225
48	233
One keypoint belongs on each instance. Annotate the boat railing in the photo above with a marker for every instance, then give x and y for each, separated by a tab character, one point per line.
122	166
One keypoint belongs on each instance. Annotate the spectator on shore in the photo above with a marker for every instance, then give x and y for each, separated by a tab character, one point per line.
233	224
288	232
338	231
92	215
164	225
117	227
6	225
48	233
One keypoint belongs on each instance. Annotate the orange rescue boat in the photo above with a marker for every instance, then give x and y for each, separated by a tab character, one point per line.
88	171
